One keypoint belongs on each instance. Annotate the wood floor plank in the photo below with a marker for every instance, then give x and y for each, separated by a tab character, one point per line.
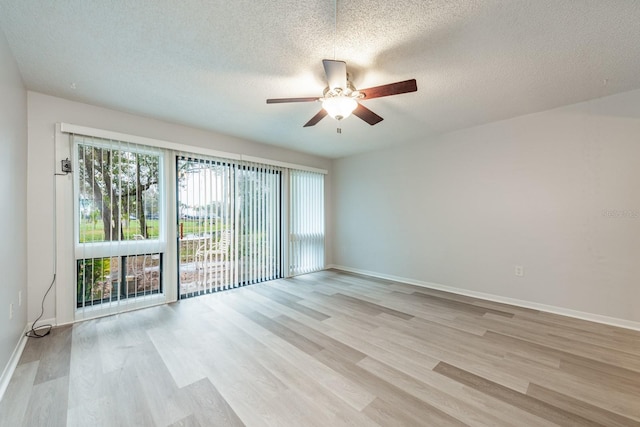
14	405
329	348
86	380
592	376
441	315
207	406
522	401
287	402
438	384
420	367
178	355
258	302
55	357
322	406
188	421
618	358
295	339
288	300
381	308
479	365
628	335
461	306
585	336
160	391
397	401
253	393
398	357
48	404
589	391
343	315
350	305
351	393
323	341
576	406
446	403
93	414
387	414
601	373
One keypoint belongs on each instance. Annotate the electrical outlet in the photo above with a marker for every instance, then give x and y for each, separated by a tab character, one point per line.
19	298
10	311
519	270
66	165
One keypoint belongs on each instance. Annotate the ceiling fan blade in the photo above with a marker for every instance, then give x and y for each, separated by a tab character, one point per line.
315	119
390	89
367	115
336	72
283	100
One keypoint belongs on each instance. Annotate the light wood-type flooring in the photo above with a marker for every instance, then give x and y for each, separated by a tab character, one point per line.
329	349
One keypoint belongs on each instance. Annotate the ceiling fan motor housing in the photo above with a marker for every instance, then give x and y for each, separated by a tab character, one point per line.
340	97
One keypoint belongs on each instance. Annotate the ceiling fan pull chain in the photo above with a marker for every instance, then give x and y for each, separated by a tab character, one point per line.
335	27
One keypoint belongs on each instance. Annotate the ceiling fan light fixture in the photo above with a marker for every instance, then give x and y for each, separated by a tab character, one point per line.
340	98
339	107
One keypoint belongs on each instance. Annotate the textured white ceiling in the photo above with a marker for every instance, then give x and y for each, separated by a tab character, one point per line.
212	64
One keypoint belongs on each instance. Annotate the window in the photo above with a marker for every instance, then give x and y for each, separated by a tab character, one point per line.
306	237
110	279
152	223
119	229
118	192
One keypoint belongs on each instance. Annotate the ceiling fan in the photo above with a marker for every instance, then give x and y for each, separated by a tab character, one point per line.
341	98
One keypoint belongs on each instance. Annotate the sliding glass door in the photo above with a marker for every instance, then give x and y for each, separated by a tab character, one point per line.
235	222
229	217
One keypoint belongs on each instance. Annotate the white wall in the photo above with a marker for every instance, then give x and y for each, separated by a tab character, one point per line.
13	202
557	192
45	111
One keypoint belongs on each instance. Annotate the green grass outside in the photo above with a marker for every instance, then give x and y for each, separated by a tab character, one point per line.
90	232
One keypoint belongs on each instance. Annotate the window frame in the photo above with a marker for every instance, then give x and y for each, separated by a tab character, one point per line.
64	220
86	250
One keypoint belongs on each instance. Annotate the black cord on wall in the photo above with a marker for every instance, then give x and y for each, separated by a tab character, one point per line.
35	332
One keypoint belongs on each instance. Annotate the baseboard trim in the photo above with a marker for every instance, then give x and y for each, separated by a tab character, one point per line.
12	364
17	353
598	318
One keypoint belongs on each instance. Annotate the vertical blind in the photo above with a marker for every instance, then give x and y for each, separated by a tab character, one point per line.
206	219
229	217
306	222
229	223
258	195
119	238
